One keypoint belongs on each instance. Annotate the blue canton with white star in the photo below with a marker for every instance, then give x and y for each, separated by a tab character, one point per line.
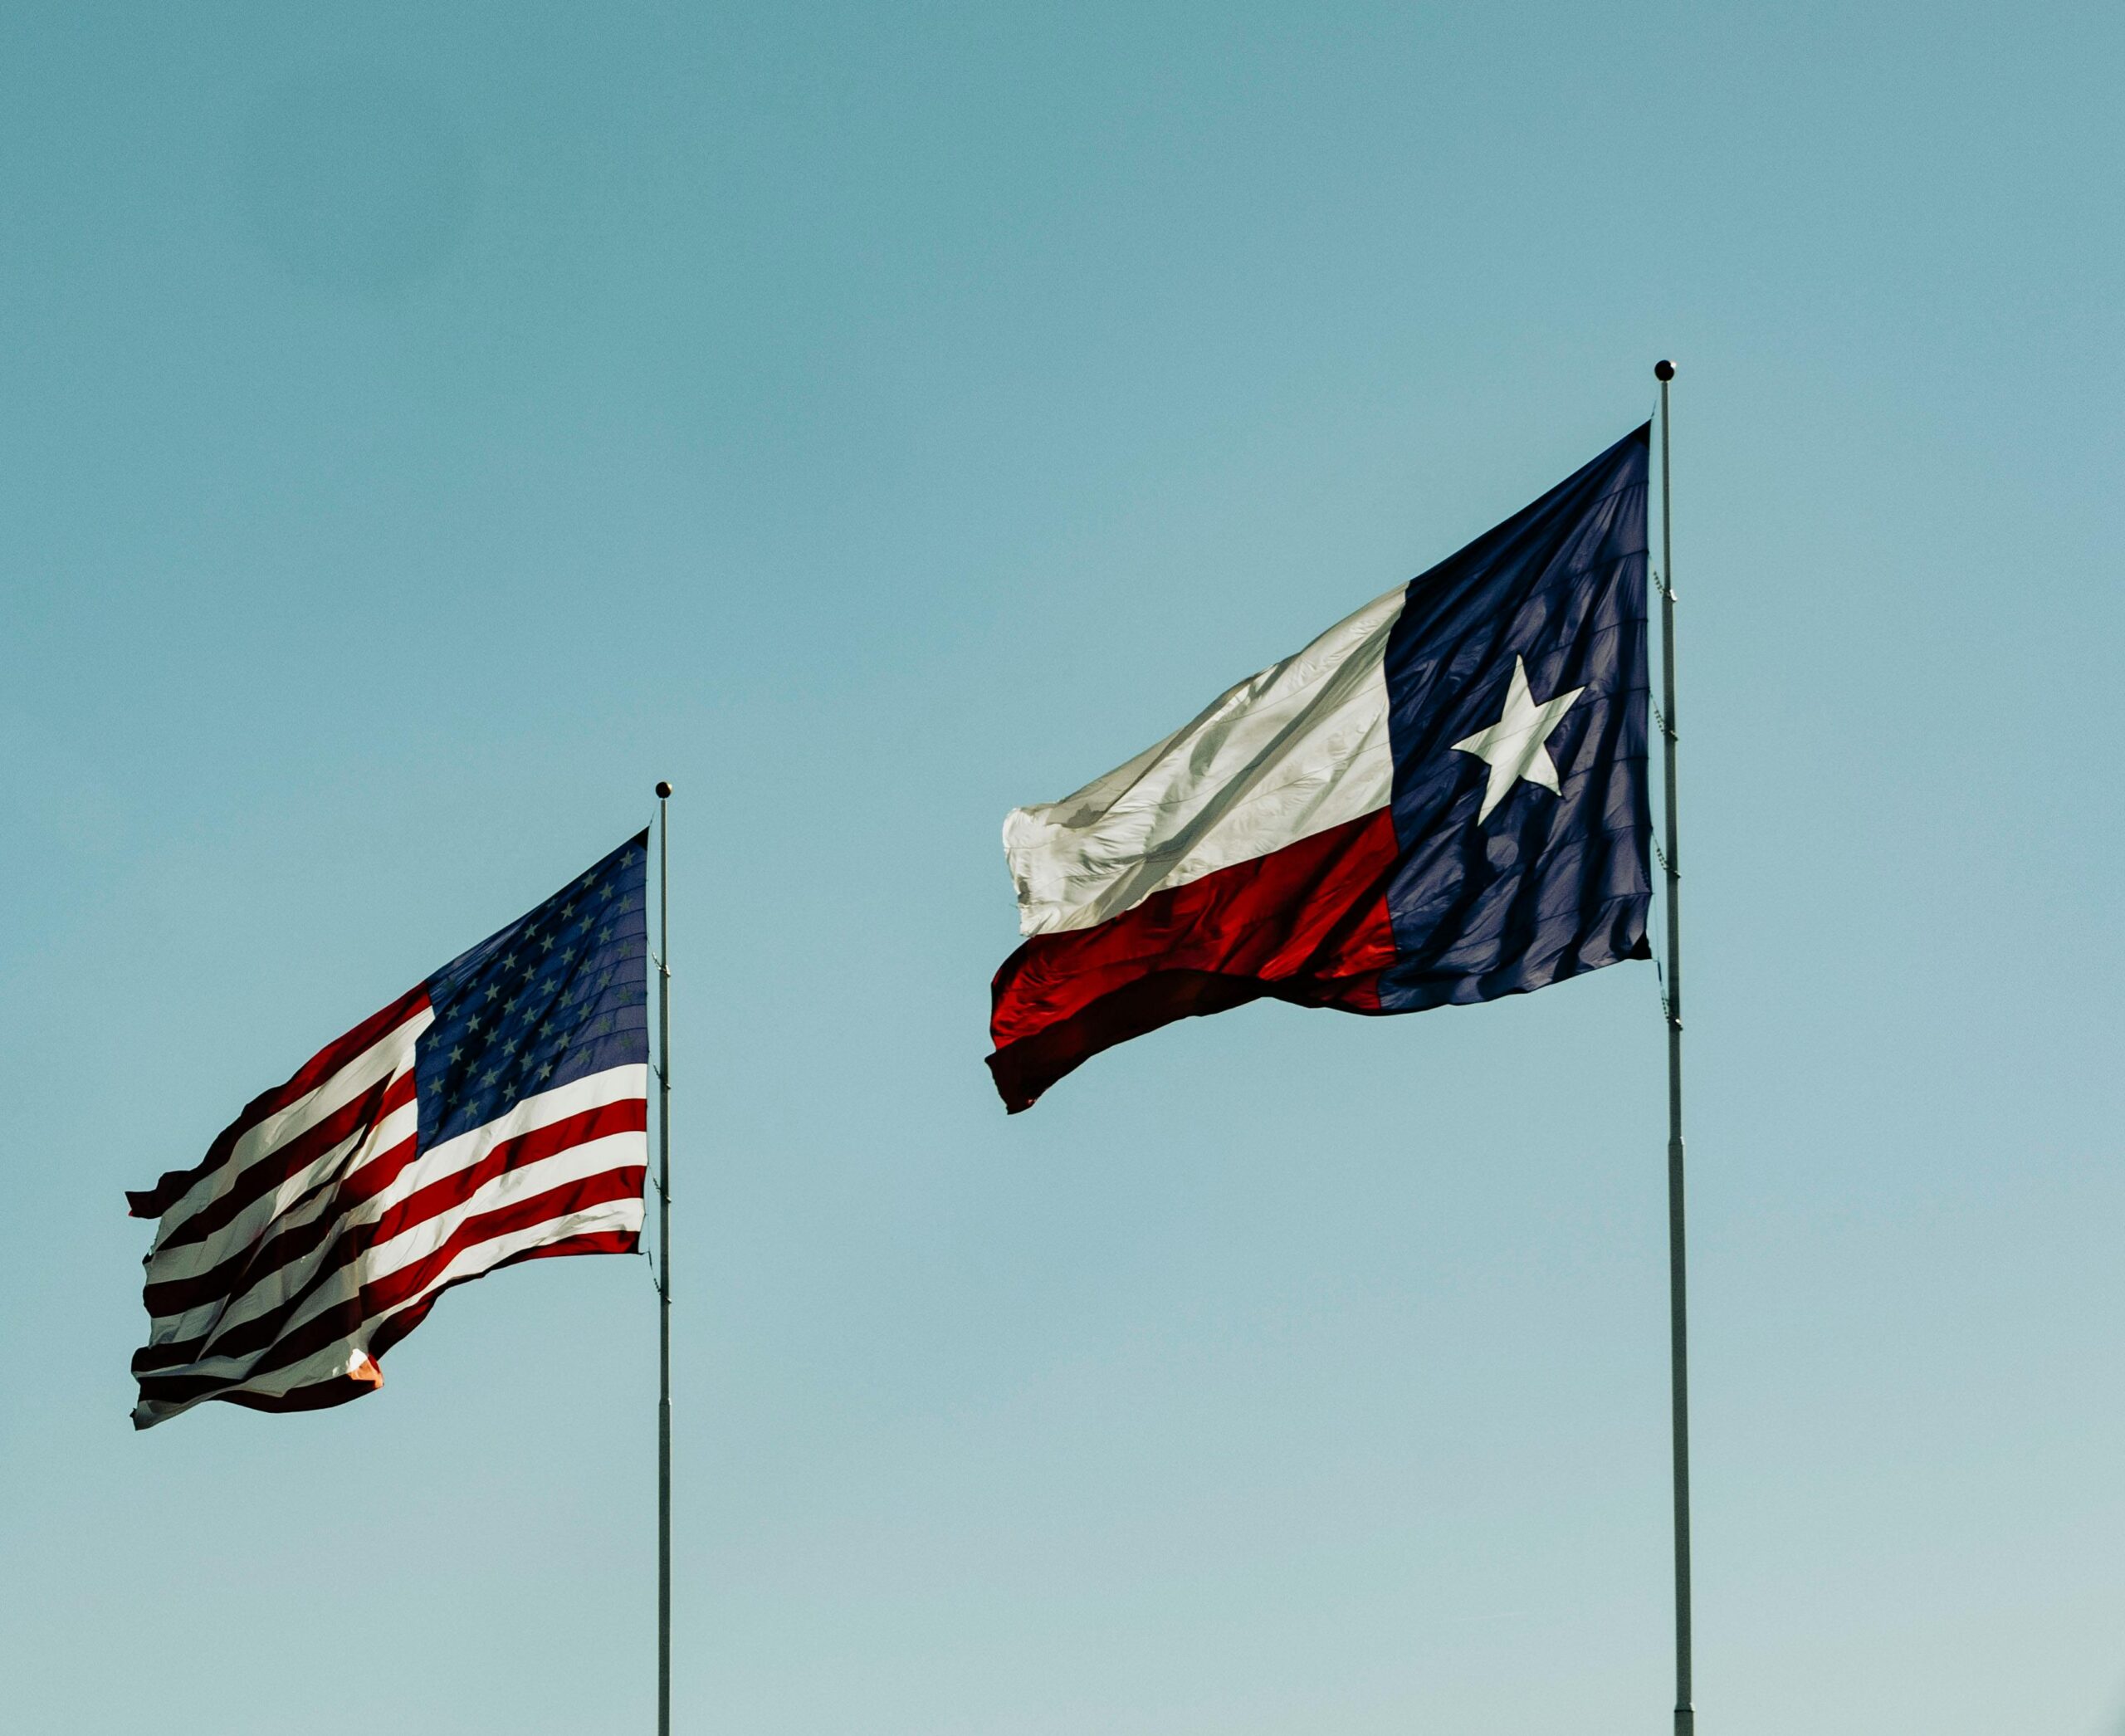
560	993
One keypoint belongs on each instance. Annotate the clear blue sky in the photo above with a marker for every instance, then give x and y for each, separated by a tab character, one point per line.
422	428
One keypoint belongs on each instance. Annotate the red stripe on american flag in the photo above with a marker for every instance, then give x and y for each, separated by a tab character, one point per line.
312	1246
595	1241
629	1115
285	1161
175	1184
345	1388
232	1280
409	1281
405	1286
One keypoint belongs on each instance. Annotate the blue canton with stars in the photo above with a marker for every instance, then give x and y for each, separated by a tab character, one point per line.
561	992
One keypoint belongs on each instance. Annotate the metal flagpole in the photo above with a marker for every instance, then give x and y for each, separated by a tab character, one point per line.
664	1260
1679	1313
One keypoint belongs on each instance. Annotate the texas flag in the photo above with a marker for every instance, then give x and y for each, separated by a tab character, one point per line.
1441	799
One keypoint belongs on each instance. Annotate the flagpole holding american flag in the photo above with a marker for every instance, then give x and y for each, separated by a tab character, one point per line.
664	1260
1679	1328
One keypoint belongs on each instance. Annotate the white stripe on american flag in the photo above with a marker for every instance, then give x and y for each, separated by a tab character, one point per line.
348	1355
297	1199
579	1162
483	1256
319	1198
390	1054
286	1301
383	1139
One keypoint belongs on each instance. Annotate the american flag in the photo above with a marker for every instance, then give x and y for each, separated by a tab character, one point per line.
498	1112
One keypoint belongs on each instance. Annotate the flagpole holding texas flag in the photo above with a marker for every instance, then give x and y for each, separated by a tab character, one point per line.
1678	1312
1443	799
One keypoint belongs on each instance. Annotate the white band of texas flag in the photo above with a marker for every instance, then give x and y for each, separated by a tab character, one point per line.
1441	798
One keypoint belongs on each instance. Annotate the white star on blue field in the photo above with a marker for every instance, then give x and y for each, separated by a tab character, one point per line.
545	1000
1517	746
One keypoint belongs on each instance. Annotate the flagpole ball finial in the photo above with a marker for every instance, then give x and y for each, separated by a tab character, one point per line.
1663	371
663	789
